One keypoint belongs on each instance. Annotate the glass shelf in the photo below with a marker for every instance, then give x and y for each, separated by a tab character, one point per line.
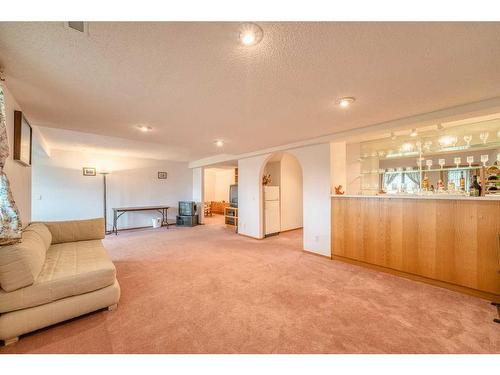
428	153
424	169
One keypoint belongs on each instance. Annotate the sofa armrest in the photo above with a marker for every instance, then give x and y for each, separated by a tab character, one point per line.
76	230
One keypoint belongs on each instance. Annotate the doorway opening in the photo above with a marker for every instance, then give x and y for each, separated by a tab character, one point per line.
282	194
220	196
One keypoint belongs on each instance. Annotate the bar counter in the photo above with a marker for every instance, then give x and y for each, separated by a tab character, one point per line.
447	240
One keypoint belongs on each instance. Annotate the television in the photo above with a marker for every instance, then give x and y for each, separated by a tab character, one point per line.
187	208
233	195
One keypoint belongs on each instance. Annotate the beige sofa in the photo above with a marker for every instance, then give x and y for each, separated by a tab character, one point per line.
58	271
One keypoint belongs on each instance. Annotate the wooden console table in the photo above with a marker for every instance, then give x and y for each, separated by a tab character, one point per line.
119	211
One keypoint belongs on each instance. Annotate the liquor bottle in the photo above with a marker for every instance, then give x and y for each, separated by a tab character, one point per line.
462	182
476	186
425	183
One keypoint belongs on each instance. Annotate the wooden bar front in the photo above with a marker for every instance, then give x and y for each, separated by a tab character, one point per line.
452	242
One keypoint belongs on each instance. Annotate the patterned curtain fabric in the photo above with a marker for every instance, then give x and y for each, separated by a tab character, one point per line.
10	222
414	177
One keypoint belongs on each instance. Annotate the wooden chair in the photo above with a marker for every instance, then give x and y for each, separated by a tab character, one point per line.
207	209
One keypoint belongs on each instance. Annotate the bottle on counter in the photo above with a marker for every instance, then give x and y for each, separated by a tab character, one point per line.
462	182
440	186
475	190
425	183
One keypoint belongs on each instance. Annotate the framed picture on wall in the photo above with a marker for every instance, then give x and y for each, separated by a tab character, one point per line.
22	139
88	171
162	175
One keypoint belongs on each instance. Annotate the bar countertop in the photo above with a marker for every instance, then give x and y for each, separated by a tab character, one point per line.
414	196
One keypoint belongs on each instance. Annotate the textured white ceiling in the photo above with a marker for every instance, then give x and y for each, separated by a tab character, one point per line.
193	83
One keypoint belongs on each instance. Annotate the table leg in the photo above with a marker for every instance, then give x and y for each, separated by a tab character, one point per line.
115	219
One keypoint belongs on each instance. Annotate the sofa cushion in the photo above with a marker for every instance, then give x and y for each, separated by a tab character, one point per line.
41	230
70	269
76	230
21	263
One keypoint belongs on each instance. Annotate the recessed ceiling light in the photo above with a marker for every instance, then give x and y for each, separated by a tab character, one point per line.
413	132
219	143
250	34
144	128
345	101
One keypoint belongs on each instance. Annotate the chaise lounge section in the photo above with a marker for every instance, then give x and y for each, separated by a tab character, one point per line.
60	270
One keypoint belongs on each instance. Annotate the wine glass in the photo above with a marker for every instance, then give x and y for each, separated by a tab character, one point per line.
441	162
484	136
428	163
419	162
470	160
484	159
457	161
468	139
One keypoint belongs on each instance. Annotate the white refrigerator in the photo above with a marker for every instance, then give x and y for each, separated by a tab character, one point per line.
272	220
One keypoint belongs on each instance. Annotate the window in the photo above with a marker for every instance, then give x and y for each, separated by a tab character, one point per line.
401	182
454	176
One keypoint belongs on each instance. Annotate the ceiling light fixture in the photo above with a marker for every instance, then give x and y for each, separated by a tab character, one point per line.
345	101
219	143
413	133
144	128
440	127
250	34
393	136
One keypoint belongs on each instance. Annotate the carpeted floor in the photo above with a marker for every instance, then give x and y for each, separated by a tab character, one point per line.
208	290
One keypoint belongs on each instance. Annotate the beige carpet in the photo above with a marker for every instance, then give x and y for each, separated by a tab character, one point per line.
208	290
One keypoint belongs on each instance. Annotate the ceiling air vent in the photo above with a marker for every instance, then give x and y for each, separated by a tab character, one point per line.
77	25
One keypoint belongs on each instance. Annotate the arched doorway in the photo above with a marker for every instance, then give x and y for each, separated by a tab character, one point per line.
281	203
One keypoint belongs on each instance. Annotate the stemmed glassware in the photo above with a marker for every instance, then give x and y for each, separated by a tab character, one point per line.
441	162
428	163
468	139
419	162
484	159
457	161
470	160
484	136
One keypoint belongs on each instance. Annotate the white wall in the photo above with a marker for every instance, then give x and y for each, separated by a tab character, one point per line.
61	192
198	178
217	182
18	174
249	195
291	193
315	162
338	159
209	184
223	179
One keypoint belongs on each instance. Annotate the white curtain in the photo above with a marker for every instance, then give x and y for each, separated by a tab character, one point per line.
414	177
10	222
388	179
